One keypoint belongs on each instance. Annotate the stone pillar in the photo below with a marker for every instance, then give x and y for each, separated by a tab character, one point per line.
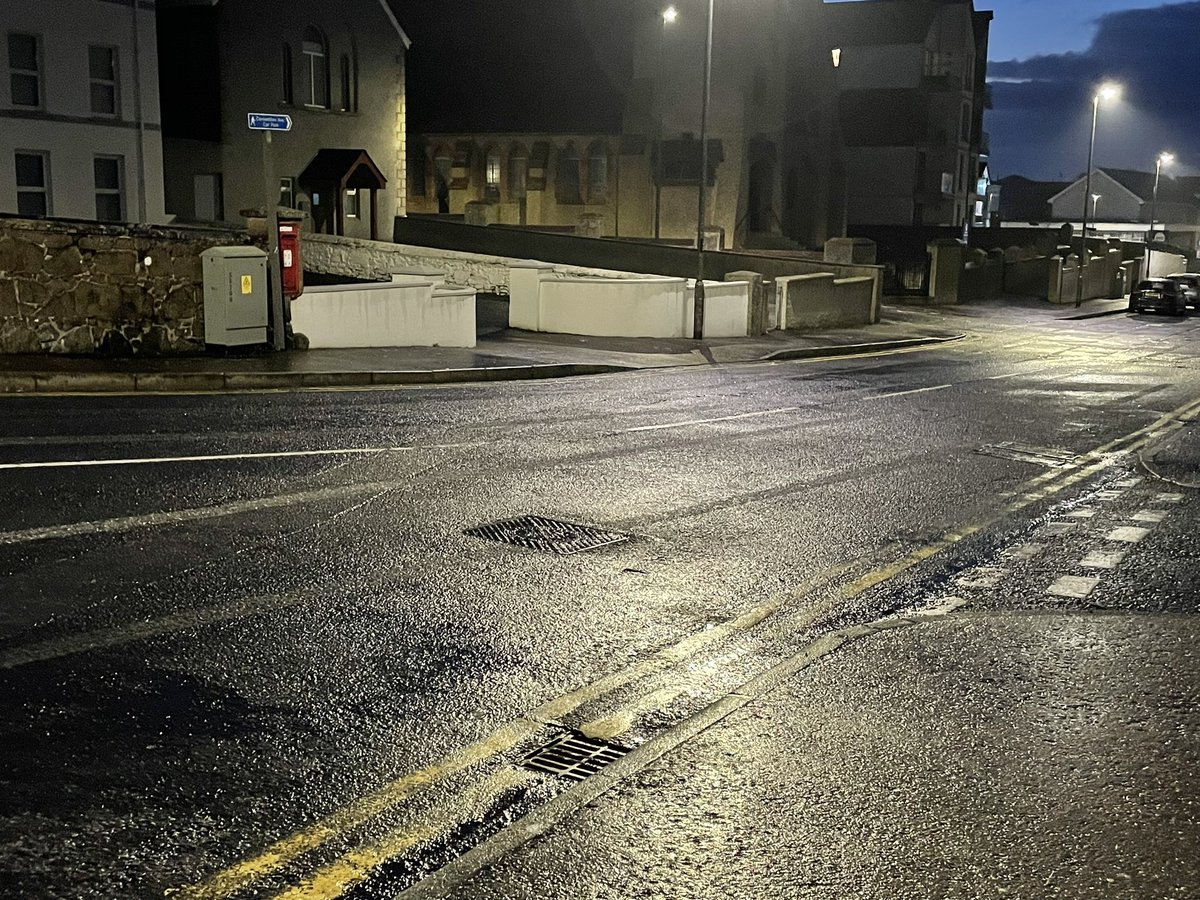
756	317
946	260
1054	281
850	251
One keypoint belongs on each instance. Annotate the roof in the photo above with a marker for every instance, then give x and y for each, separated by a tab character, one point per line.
871	22
347	168
1141	185
390	12
1024	200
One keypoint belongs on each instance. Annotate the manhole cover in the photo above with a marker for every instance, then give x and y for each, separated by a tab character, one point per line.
1042	456
573	756
552	535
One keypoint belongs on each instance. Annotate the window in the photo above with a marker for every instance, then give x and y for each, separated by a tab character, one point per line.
25	70
316	75
518	171
597	173
102	70
344	66
492	174
351	205
947	182
33	184
287	192
110	188
285	70
567	183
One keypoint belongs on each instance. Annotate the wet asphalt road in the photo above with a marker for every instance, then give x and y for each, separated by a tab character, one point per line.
205	652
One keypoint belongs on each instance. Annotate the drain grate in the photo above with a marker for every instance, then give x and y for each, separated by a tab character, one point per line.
1042	456
574	756
552	535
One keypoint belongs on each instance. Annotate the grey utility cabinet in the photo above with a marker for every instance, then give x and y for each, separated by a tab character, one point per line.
235	296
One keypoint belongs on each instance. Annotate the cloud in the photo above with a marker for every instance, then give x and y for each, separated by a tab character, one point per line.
1042	105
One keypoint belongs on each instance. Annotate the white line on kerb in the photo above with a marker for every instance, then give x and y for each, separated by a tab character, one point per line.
924	390
213	457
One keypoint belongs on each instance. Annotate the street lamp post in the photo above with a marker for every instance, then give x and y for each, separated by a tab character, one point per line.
669	15
1164	159
1107	91
698	306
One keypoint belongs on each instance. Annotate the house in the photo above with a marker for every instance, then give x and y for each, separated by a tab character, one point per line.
1126	195
611	144
81	137
338	70
912	80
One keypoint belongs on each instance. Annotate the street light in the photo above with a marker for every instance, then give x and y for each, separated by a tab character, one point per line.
669	15
1164	159
1096	206
1106	91
698	306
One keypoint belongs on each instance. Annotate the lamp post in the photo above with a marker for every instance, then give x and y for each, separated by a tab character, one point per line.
1164	159
698	307
1107	91
669	15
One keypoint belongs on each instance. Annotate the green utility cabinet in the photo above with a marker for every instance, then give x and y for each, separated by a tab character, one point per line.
235	296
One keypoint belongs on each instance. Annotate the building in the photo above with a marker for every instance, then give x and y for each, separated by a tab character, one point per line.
912	78
1126	195
338	70
1024	201
81	135
774	155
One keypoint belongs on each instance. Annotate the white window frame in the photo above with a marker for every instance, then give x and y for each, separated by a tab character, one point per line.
114	82
310	66
118	191
34	73
350	204
287	190
44	190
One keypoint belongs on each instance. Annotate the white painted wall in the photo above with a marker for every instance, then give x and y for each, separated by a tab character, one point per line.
385	314
64	127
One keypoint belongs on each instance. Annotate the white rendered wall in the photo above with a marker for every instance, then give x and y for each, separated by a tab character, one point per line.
385	315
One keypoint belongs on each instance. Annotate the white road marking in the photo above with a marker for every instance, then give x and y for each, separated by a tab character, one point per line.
1170	498
769	412
1129	482
1075	586
191	514
1025	551
1108	495
749	415
1128	534
981	577
1081	513
214	457
1056	528
1150	515
1103	559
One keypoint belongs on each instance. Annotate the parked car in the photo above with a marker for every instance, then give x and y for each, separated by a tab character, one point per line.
1191	286
1165	294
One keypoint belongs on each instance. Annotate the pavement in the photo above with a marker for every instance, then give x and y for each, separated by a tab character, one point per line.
501	354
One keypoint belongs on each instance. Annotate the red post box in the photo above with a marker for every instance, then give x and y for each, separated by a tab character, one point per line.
290	265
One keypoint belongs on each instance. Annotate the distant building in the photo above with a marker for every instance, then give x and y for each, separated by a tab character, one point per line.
337	69
1025	201
912	78
774	163
81	135
1126	195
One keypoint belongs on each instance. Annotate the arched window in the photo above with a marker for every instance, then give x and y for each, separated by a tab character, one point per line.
597	173
346	84
286	72
567	180
518	171
316	72
491	173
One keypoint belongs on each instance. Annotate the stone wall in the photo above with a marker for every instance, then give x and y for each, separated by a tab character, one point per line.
85	288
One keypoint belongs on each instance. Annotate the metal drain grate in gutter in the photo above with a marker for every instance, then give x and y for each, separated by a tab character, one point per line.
1042	456
574	756
551	535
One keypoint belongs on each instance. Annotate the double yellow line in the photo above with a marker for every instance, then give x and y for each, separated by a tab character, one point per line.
354	866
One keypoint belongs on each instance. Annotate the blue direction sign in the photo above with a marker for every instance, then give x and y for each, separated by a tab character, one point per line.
269	122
